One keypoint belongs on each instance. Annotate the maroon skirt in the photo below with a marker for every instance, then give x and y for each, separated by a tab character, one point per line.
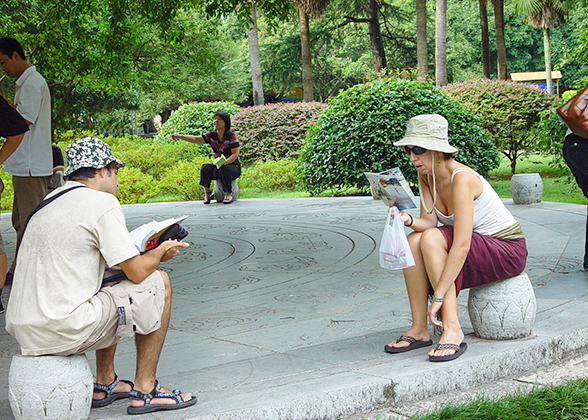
489	259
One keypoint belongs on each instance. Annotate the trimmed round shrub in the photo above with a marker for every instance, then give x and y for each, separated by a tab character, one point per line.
275	131
270	176
356	132
508	110
194	119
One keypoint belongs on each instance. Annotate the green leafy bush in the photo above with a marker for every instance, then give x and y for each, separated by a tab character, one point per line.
69	136
270	176
357	130
151	157
8	193
194	119
275	131
182	179
509	111
135	186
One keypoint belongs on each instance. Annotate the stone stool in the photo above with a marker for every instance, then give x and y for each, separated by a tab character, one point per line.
50	387
219	194
526	188
503	310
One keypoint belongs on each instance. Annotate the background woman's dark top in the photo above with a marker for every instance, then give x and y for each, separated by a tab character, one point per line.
222	147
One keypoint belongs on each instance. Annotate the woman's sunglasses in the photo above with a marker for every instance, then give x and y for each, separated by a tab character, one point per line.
415	149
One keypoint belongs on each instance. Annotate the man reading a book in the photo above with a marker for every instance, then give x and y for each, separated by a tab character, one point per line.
58	304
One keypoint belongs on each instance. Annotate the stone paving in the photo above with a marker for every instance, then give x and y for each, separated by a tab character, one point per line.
281	311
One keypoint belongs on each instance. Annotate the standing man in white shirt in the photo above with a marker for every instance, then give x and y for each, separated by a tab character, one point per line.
31	163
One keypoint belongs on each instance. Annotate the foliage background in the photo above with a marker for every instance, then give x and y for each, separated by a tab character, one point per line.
275	131
356	133
508	111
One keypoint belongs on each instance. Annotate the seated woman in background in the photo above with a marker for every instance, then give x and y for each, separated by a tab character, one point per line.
478	242
224	143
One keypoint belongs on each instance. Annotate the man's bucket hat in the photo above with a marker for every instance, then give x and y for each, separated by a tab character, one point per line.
89	152
428	131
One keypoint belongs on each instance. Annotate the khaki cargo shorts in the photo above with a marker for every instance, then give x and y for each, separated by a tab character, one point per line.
127	308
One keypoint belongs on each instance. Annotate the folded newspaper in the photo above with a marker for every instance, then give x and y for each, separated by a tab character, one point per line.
389	184
146	236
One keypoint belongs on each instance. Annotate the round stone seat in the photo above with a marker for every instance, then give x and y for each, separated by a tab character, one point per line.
219	194
526	188
503	310
50	387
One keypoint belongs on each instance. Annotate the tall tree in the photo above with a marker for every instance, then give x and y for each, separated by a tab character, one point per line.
483	5
500	39
274	11
422	51
379	56
545	14
441	43
306	9
371	8
254	58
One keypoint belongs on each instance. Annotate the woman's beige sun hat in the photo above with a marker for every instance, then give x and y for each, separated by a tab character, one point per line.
428	131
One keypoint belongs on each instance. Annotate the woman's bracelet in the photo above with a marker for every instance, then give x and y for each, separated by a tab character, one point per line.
411	221
436	299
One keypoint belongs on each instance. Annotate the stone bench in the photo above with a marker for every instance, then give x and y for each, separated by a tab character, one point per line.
526	188
503	310
50	387
219	194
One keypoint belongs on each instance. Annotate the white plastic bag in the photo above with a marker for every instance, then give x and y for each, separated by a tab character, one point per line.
395	252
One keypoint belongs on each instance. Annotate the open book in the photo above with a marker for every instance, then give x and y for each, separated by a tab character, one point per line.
147	236
389	184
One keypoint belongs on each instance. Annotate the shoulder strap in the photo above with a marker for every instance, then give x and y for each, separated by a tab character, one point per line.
47	201
471	171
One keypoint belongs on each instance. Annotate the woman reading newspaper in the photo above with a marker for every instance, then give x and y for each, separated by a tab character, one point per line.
464	237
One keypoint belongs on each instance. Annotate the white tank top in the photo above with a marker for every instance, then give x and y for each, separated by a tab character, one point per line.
491	217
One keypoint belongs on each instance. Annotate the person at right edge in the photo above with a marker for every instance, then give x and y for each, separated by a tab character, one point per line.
575	153
478	241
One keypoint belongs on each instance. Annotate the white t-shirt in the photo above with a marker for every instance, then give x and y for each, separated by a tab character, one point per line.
33	157
52	306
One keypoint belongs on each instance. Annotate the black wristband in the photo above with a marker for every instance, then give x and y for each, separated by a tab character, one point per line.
411	221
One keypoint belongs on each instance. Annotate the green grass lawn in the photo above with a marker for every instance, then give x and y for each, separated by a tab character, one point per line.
567	401
558	184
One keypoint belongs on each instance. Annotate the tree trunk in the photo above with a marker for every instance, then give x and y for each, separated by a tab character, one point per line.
500	40
378	53
306	57
441	43
485	38
258	98
422	52
547	49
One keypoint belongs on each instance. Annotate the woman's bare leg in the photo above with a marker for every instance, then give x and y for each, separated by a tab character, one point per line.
417	286
434	253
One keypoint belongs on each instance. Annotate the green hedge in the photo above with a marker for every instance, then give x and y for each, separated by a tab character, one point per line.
508	111
275	131
194	119
357	130
270	176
